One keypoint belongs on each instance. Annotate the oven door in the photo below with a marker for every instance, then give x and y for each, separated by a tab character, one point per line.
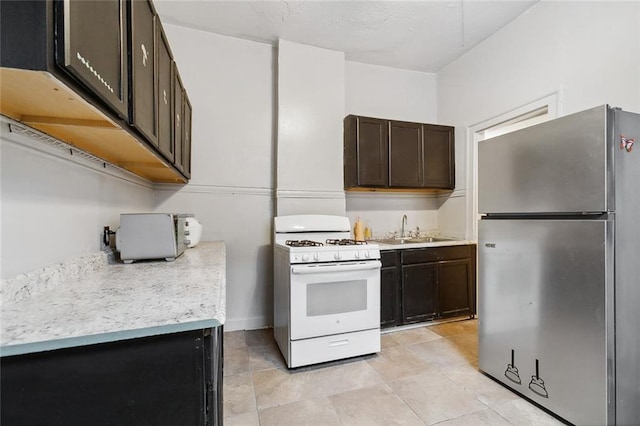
334	298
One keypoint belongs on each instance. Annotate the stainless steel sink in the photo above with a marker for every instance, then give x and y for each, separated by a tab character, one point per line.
431	239
395	240
409	240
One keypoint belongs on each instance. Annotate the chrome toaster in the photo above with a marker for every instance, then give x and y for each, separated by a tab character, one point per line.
152	236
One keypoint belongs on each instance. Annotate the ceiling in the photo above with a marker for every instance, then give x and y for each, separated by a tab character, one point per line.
415	35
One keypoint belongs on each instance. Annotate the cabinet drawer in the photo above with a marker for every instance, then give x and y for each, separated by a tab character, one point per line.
434	254
389	258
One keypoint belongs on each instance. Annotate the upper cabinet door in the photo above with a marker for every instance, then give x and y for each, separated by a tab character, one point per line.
372	151
439	164
405	155
186	137
91	46
366	152
144	105
165	96
178	120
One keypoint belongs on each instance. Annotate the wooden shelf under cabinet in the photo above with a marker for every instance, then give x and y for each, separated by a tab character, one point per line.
41	101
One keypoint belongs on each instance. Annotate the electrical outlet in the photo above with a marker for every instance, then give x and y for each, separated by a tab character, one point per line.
106	236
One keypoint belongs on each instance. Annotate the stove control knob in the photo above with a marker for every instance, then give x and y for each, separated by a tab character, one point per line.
316	256
357	255
367	254
305	257
337	256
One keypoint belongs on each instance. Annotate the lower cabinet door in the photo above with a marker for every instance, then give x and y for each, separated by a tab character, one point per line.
156	380
419	292
389	297
454	288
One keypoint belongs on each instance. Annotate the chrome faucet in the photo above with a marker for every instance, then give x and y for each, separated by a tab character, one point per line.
404	222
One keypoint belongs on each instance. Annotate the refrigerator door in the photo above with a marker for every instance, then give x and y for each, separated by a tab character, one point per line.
627	292
560	166
543	312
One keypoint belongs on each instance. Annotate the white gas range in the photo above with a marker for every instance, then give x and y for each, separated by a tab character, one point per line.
326	290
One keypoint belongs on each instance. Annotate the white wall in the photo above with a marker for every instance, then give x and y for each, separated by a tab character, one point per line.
54	208
230	83
311	87
390	93
587	52
383	212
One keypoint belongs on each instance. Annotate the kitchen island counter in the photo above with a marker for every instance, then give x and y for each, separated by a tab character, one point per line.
117	302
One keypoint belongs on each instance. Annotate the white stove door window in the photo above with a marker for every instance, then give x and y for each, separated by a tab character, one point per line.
336	298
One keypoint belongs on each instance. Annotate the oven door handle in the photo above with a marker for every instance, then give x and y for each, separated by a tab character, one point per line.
337	267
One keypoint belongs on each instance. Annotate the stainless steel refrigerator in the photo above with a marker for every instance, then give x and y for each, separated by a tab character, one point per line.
559	264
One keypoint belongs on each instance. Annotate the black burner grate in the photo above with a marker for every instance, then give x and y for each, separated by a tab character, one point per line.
302	243
345	242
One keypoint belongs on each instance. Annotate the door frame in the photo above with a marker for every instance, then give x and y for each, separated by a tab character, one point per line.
475	133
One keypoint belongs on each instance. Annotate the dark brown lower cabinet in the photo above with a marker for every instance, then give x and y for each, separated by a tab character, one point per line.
389	290
426	284
172	379
419	292
454	295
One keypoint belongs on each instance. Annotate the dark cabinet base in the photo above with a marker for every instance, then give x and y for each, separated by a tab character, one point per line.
173	379
426	284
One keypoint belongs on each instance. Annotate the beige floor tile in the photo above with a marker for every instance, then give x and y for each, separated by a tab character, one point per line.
414	335
522	413
431	371
260	337
473	381
479	418
279	386
244	419
238	394
398	362
456	327
466	342
234	339
376	405
265	357
317	411
386	341
236	361
441	353
346	377
435	398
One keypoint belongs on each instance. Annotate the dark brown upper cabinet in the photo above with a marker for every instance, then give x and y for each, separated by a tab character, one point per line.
185	165
387	154
144	69
165	96
92	47
98	75
366	149
439	156
178	118
406	166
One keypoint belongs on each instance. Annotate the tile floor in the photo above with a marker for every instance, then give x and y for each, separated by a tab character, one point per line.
425	375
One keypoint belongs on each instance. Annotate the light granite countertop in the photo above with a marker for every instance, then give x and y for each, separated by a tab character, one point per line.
114	301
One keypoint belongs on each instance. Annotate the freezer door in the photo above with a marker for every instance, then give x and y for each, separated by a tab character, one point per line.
543	313
555	167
